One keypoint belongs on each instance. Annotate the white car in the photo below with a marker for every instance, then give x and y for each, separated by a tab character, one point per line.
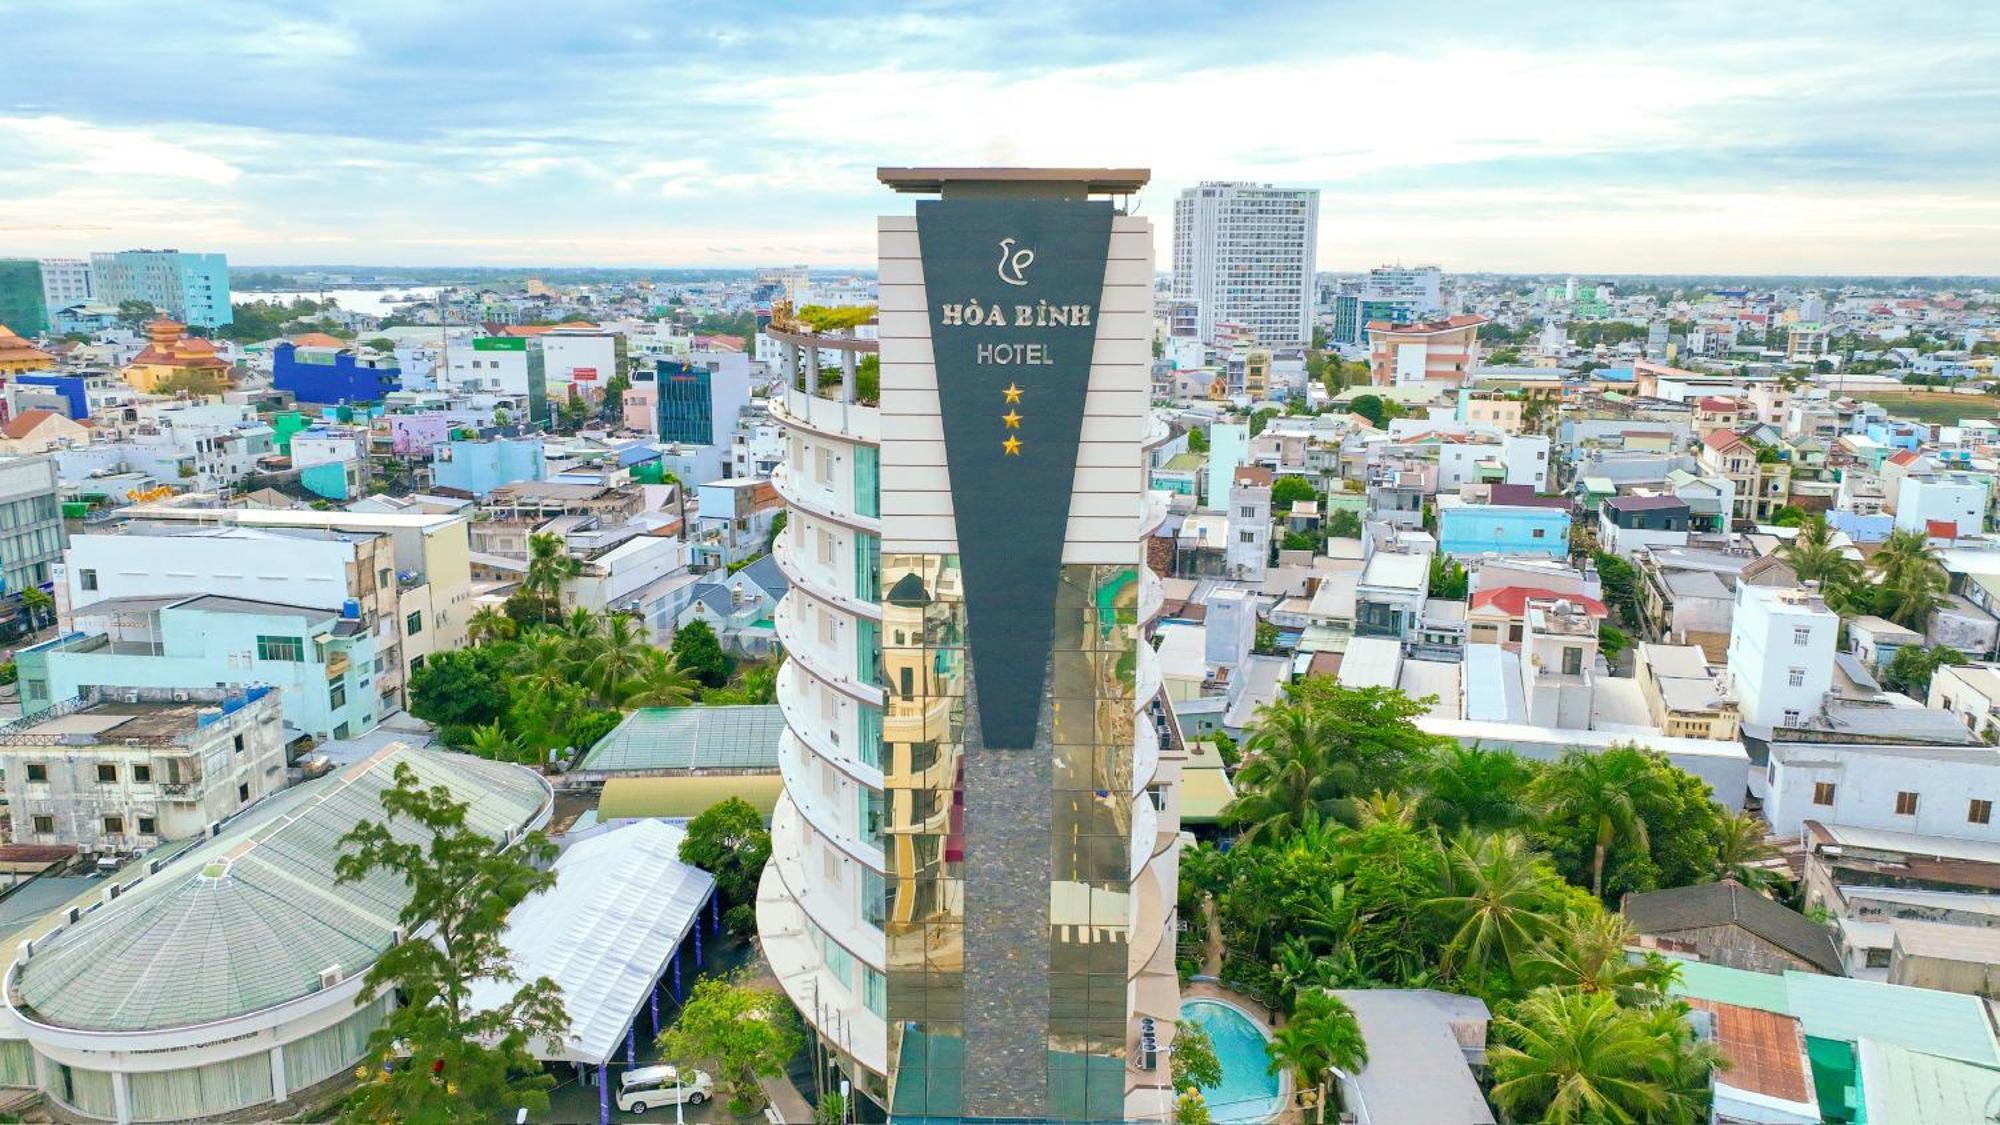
649	1086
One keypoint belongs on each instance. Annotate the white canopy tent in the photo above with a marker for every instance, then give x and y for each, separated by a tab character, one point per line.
606	933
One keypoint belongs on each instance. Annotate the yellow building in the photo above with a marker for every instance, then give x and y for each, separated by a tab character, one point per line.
176	361
18	355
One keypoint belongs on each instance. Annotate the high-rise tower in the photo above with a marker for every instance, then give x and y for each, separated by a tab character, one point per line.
972	887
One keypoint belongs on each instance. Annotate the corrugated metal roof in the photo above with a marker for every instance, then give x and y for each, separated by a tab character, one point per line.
1898	1084
691	738
249	919
1839	1008
684	797
622	903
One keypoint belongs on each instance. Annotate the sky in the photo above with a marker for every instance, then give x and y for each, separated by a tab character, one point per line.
1560	136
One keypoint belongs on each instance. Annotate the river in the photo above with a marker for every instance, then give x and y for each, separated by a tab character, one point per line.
370	301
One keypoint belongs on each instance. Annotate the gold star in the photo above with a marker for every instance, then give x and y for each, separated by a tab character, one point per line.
1012	392
1012	418
1013	446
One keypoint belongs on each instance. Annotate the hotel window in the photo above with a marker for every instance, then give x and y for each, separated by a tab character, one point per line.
1823	793
45	825
1979	812
1906	803
823	465
114	826
826	548
1795	677
1802	635
37	772
107	773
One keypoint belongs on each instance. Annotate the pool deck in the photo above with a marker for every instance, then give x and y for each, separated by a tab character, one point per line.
1199	988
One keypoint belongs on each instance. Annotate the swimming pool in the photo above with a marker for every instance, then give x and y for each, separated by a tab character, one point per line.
1249	1092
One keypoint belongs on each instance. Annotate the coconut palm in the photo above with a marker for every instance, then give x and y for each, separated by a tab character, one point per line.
612	655
1813	557
489	624
545	659
549	566
1685	1069
1604	792
1496	900
1286	773
490	741
660	682
1586	952
1322	1036
1910	584
1742	850
1467	787
1571	1057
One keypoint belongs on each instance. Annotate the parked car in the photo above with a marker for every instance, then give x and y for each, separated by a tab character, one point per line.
649	1086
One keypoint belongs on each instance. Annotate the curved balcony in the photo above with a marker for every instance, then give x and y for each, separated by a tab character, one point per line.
838	742
827	417
1152	512
836	1013
1153	902
832	907
816	582
784	622
1148	679
1145	832
818	503
1152	596
1158	433
1145	754
803	791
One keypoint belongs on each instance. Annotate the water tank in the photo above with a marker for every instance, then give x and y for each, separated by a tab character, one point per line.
351	609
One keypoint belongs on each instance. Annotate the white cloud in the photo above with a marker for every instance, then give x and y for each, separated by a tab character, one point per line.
66	144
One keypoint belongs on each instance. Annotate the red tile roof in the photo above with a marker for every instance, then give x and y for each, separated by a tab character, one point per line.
1903	457
1713	403
1722	441
1941	529
24	423
1513	600
1765	1050
318	340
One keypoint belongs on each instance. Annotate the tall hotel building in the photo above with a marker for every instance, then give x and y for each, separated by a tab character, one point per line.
971	891
1244	254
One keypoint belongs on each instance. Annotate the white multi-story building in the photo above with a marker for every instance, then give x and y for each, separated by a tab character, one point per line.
1941	500
1421	285
909	848
1249	552
1245	254
65	282
1781	648
1945	791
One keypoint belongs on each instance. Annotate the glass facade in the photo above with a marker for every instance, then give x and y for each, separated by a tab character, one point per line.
31	540
686	410
1081	822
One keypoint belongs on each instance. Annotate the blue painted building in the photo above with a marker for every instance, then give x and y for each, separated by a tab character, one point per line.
69	388
480	466
1469	530
192	288
329	375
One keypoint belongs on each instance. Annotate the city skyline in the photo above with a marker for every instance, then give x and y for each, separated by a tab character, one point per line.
1570	140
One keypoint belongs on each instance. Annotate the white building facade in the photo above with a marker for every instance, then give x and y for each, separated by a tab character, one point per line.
1781	647
1245	254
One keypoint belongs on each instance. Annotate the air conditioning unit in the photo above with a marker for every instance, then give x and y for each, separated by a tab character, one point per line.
180	695
328	977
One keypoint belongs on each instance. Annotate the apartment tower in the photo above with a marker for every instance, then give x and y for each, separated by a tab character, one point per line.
1244	254
972	883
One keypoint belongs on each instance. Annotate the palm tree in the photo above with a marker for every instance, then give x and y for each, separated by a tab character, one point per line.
549	566
660	682
1587	953
489	624
1605	792
612	656
1321	1037
1496	899
1684	1070
1813	557
545	659
490	741
1285	774
1741	852
1467	787
1572	1057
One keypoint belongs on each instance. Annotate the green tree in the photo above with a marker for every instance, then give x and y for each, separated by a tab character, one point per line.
489	624
1466	787
660	682
1448	579
1287	490
381	344
777	528
1318	746
1601	795
463	1063
132	314
1567	1058
613	658
1910	583
1261	418
1193	1061
729	841
1621	585
1190	1108
1611	641
38	607
1813	557
1496	899
696	649
1197	440
463	688
1343	524
491	742
1321	1037
1911	669
1788	515
1372	408
549	565
745	1031
1587	953
1744	851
